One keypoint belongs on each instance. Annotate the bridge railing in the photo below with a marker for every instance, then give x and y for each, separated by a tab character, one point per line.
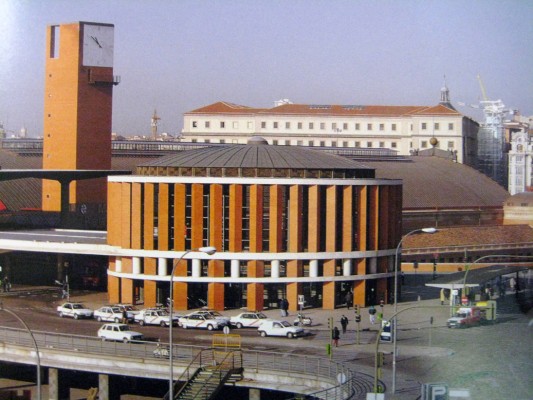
324	371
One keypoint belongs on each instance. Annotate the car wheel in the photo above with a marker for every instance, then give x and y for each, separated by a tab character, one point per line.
117	320
184	326
239	325
125	340
61	315
263	334
99	319
163	324
141	322
210	327
290	335
76	316
103	339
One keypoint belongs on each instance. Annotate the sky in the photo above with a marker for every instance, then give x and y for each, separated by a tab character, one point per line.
179	55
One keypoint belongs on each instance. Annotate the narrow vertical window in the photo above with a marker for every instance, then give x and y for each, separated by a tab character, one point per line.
54	41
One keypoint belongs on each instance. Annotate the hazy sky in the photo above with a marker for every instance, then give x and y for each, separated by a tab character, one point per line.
175	56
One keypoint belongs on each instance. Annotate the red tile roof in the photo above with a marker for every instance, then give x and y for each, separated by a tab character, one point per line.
327	109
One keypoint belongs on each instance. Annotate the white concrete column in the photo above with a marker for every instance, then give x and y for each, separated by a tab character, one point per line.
373	265
254	394
103	387
53	384
162	267
274	269
313	268
347	267
136	265
196	268
118	264
235	268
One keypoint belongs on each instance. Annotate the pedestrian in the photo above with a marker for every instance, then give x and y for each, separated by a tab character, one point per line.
372	314
124	316
284	306
335	335
6	284
344	323
349	300
64	290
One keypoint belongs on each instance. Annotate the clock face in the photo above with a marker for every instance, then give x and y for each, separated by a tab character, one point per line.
98	45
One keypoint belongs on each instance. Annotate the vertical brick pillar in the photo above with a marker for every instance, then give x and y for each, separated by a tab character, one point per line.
215	293
361	228
180	289
328	291
295	267
256	269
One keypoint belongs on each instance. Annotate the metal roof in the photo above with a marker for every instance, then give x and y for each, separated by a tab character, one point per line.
257	154
474	277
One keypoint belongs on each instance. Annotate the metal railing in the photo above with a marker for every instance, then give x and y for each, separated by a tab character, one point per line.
342	379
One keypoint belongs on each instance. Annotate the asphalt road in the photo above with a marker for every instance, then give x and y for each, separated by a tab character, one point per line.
489	361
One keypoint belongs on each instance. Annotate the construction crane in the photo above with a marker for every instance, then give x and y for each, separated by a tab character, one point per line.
154	123
483	92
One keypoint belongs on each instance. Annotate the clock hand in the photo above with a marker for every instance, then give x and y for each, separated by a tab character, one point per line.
96	41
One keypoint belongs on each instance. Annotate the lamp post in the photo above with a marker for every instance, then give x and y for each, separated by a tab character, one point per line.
2	308
207	250
422	230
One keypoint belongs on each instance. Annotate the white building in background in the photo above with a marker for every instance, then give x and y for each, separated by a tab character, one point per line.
405	129
520	155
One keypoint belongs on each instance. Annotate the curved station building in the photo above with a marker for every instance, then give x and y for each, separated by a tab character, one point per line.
286	222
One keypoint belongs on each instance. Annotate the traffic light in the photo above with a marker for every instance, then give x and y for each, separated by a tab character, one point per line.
381	358
356	308
330	323
357	318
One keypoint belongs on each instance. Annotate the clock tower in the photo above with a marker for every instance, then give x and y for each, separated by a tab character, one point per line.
79	84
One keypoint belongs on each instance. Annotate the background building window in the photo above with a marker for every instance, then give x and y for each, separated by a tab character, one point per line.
393	127
450	126
357	126
369	127
300	125
287	125
208	124
263	125
381	127
275	125
424	126
222	124
311	125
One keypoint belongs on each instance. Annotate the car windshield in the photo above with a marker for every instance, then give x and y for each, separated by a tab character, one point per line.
261	316
116	310
123	328
162	313
285	324
77	306
215	313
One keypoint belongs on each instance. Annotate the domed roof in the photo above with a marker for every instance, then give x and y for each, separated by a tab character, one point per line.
256	158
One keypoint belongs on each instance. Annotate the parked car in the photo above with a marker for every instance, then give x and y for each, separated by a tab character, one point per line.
130	309
74	310
248	320
120	332
155	316
111	314
216	315
201	321
271	327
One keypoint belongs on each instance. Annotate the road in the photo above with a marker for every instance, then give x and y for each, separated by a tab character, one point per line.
491	361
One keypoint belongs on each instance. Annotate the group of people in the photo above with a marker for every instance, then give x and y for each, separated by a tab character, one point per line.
6	285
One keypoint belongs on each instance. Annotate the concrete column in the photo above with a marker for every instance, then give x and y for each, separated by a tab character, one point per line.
162	267
274	268
136	268
103	387
347	267
313	268
118	264
57	390
235	268
254	394
196	268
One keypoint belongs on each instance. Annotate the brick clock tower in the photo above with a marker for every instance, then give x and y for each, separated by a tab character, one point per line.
77	109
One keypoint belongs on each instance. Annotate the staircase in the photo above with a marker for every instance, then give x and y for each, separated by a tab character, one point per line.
209	371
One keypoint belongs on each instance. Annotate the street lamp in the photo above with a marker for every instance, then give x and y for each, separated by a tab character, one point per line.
209	251
2	308
423	230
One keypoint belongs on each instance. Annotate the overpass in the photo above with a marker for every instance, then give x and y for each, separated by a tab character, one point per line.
261	369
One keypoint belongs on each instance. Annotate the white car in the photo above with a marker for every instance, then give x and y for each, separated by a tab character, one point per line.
222	319
74	310
279	328
201	321
120	332
155	316
131	310
248	320
111	314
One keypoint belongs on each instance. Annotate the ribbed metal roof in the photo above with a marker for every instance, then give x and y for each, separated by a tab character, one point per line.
257	154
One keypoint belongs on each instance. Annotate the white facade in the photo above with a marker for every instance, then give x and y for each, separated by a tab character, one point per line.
520	163
403	129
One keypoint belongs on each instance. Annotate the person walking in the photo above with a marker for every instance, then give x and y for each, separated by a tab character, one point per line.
349	300
344	323
284	305
335	335
372	314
